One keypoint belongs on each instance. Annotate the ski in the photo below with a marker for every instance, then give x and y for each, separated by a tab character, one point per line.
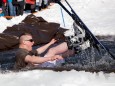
80	23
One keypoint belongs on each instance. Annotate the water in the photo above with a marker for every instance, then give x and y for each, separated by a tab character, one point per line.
89	60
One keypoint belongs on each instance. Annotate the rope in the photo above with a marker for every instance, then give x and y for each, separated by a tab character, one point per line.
62	16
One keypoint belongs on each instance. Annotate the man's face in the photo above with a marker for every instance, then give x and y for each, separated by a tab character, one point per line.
29	42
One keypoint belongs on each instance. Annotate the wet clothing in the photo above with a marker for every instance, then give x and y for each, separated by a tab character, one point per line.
20	58
22	53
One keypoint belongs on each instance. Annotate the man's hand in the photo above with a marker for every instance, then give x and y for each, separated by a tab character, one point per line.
56	57
53	41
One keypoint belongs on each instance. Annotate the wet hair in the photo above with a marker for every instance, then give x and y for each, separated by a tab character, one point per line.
25	34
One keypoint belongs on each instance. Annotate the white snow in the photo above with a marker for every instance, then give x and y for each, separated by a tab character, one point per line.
99	17
51	78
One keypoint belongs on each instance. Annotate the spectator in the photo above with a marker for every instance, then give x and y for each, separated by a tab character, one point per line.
20	7
15	4
4	7
43	4
1	12
32	4
12	9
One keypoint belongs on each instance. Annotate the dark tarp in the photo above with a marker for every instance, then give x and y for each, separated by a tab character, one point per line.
41	30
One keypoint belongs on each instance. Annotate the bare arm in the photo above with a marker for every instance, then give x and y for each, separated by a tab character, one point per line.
38	60
43	48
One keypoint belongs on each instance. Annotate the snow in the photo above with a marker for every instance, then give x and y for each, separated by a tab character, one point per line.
99	17
51	78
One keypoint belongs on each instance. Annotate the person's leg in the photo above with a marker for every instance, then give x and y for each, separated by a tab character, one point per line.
45	3
40	4
10	8
49	1
61	48
21	7
14	10
33	8
17	9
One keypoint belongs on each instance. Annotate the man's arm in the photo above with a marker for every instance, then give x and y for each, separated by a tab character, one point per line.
38	60
43	48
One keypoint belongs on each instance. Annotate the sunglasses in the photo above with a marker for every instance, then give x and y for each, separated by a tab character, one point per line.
31	40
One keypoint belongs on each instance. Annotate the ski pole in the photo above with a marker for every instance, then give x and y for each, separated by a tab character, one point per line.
62	16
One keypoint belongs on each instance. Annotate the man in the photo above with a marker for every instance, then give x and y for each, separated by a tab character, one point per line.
25	56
